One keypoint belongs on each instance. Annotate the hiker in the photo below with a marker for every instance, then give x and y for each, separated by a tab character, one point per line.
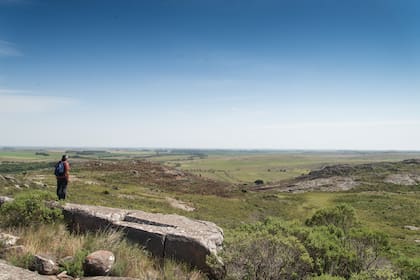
62	169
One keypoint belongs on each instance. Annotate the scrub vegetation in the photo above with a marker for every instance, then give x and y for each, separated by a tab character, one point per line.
270	233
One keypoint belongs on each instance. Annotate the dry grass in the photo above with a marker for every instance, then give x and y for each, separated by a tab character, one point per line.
131	260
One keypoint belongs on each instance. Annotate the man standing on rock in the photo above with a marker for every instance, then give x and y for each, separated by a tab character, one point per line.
62	169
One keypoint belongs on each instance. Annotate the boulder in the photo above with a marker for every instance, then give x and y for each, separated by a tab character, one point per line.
98	263
45	265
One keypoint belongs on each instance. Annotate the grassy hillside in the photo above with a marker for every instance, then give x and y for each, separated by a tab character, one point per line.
214	186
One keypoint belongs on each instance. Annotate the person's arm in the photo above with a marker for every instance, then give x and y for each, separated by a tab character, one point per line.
67	170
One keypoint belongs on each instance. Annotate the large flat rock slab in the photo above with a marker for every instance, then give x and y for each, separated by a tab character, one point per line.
164	235
91	218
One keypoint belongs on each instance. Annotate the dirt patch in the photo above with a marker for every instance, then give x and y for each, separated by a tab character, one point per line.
179	204
126	196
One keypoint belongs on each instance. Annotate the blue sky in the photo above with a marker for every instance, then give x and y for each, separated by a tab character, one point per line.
296	74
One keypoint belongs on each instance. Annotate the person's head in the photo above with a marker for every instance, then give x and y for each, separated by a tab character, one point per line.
64	157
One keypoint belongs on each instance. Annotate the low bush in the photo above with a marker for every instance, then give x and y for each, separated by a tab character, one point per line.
376	274
261	255
341	216
409	268
74	266
29	209
331	245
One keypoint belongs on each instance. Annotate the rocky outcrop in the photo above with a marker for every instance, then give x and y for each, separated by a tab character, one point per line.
411	161
165	236
350	170
403	179
330	171
331	184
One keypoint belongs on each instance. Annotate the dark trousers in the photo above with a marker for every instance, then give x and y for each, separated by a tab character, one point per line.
61	188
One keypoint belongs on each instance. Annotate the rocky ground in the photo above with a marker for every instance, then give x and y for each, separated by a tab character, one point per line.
344	177
155	174
10	272
332	178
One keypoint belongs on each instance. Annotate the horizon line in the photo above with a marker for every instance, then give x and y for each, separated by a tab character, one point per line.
3	147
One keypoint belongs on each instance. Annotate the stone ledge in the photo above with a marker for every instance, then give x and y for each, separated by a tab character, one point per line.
165	236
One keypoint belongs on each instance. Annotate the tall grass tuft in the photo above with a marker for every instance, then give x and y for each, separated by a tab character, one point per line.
131	259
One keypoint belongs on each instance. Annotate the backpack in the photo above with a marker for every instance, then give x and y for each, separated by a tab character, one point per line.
59	169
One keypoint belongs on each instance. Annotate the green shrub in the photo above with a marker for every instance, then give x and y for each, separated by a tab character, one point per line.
258	254
13	167
327	277
333	245
409	267
376	274
339	246
368	246
74	267
341	216
29	209
326	246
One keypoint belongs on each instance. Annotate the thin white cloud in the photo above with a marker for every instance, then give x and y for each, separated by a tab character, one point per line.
33	104
9	49
343	124
13	91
